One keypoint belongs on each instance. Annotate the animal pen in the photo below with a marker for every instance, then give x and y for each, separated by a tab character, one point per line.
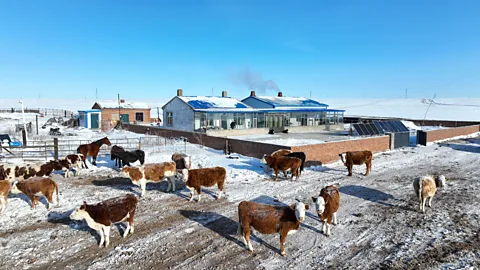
59	148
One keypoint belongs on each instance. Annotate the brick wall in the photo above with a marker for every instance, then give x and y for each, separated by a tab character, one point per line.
328	152
107	114
425	137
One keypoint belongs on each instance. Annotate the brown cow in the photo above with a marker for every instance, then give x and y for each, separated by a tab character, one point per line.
36	187
207	177
426	186
4	189
154	172
282	163
357	158
281	152
268	219
327	205
103	215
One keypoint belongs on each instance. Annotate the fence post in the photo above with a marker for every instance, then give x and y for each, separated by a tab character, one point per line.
140	143
55	148
24	137
46	151
36	121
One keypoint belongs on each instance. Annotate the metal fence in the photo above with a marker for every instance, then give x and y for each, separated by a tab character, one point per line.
44	111
46	150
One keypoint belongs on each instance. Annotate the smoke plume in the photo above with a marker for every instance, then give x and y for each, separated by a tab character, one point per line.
253	80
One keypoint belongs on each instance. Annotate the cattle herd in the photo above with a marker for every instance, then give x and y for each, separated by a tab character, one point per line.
33	181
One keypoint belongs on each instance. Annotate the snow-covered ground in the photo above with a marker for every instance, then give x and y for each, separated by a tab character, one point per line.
379	222
462	109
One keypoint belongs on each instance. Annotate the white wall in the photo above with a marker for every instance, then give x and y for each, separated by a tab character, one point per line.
182	115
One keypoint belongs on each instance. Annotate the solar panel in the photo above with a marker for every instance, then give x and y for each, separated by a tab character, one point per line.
379	127
360	128
374	127
397	125
403	128
389	127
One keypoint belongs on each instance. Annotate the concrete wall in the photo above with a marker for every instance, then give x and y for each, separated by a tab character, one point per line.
183	116
425	137
328	152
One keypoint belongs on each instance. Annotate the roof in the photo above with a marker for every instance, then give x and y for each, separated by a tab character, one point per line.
289	101
91	110
112	104
211	103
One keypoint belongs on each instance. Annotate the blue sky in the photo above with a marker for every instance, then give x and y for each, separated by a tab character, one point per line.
148	49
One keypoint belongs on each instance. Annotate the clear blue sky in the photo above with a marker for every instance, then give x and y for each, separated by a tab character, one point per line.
335	49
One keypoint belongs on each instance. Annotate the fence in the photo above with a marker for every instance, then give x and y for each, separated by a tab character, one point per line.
52	149
426	137
44	111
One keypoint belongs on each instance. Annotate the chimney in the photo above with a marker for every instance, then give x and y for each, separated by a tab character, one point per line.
179	92
280	94
224	93
122	100
252	94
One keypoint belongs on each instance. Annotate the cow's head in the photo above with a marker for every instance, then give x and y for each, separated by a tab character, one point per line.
440	181
300	208
14	189
264	159
319	204
185	175
134	173
80	213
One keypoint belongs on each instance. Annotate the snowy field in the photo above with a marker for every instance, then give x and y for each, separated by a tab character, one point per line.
379	222
462	109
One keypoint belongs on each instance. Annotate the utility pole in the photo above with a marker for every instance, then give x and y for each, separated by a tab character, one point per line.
423	122
158	113
24	124
119	118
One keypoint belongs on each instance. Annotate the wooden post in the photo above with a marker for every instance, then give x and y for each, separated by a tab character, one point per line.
36	121
140	144
45	151
55	148
24	136
226	147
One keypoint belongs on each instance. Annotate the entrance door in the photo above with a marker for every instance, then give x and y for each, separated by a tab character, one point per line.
94	119
124	118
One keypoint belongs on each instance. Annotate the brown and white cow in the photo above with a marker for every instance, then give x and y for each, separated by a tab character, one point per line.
268	219
327	205
426	186
154	172
103	215
36	187
206	177
76	162
21	172
282	163
4	189
357	158
183	161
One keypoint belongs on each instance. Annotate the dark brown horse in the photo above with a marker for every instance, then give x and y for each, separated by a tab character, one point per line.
92	149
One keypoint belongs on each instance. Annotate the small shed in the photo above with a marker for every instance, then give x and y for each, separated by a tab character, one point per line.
90	118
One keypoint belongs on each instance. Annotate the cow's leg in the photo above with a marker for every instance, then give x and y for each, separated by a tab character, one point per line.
220	189
143	186
102	238
368	169
335	222
172	179
3	202
32	200
423	204
125	233
106	230
350	169
324	226
169	185
283	238
49	199
246	236
199	192
191	193
276	174
430	201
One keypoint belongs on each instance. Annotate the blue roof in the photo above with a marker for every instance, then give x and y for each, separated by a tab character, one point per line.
90	110
202	102
289	101
278	110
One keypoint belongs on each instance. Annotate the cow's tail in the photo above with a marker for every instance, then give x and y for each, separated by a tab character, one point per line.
341	156
420	188
56	191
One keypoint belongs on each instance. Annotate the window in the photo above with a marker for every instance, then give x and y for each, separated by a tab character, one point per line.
169	119
138	116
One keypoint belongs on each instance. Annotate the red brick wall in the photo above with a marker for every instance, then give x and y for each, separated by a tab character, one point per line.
328	152
107	114
442	134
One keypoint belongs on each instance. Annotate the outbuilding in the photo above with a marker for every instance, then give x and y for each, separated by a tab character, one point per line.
90	118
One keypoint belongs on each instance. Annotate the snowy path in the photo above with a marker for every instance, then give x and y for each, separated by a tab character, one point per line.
380	225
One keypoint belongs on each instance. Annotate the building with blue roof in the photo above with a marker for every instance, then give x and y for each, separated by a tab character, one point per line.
255	114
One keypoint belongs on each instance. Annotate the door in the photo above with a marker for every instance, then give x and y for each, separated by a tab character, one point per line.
124	118
94	119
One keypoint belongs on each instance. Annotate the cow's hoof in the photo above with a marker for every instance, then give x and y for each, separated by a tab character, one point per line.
283	254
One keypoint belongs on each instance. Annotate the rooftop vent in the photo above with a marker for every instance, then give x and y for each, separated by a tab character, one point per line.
252	94
179	92
280	94
224	93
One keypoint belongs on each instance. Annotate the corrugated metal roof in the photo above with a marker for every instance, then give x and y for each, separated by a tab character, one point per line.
290	101
205	102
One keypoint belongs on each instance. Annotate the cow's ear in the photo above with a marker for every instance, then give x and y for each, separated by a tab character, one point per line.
314	199
307	207
292	206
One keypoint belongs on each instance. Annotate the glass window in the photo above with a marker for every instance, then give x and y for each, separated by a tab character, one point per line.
169	118
260	120
138	116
